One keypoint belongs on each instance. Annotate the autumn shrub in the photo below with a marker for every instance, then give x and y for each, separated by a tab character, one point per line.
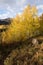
23	26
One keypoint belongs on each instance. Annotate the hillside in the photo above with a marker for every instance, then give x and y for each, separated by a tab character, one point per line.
21	41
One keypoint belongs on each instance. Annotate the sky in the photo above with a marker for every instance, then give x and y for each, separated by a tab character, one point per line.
10	8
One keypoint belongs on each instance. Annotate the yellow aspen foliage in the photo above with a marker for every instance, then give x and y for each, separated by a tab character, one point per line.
24	26
34	10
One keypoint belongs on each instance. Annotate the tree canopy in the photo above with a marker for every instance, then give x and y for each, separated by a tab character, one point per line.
23	26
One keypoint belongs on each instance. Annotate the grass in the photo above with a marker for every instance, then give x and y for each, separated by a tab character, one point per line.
25	53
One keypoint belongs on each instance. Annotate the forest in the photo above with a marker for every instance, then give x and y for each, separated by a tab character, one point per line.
22	42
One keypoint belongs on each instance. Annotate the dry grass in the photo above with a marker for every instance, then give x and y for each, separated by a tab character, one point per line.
26	54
